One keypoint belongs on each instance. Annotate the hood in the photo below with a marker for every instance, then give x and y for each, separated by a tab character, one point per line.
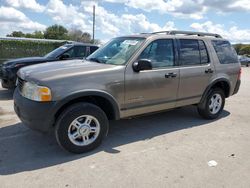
27	60
61	69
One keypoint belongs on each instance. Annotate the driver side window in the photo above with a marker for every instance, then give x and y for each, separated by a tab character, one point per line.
160	53
69	53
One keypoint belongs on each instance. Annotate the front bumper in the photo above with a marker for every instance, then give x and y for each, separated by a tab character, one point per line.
36	115
8	77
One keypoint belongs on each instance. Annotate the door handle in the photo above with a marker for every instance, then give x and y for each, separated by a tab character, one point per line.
170	75
209	71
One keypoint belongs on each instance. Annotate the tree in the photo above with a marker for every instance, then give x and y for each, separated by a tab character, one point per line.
56	32
237	47
79	36
38	35
245	50
16	34
86	37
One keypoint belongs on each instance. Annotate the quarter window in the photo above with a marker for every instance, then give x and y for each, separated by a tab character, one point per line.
160	52
225	52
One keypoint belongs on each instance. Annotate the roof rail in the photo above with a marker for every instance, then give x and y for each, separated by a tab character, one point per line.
201	34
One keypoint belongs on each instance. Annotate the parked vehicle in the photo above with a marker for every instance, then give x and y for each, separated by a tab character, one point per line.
129	76
74	50
244	60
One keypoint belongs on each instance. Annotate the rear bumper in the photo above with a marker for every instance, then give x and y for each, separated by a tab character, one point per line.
35	115
237	87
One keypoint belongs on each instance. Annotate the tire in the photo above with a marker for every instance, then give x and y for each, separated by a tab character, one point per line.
247	65
207	109
75	128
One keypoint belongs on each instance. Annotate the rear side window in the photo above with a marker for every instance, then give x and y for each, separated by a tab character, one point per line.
80	51
189	52
93	48
192	52
225	52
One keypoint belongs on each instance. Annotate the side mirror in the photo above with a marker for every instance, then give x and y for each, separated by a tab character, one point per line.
64	56
142	64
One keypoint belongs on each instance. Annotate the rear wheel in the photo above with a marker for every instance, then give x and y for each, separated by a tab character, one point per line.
213	105
81	128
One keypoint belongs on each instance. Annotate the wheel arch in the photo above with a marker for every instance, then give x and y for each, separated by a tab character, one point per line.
222	83
100	98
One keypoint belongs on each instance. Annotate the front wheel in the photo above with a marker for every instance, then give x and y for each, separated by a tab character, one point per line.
81	128
213	105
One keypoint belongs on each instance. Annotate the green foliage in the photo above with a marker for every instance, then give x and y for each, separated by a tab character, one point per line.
11	49
36	34
79	36
242	49
56	32
16	34
245	50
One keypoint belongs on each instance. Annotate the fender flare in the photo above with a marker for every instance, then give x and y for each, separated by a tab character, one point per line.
208	89
88	93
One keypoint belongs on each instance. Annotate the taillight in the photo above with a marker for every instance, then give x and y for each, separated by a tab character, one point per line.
239	75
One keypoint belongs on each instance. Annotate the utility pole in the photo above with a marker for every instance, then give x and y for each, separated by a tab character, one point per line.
93	23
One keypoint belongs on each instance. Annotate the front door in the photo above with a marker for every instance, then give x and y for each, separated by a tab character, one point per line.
156	89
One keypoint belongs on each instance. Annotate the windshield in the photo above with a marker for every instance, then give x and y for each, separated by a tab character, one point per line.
117	52
58	51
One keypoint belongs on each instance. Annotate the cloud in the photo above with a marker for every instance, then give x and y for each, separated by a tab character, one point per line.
108	23
27	4
14	20
195	9
234	34
68	15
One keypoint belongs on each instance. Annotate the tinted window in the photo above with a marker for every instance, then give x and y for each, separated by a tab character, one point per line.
93	48
189	52
203	52
225	52
80	51
69	53
160	52
58	51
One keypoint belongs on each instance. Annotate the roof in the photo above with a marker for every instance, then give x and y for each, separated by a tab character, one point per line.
81	43
175	32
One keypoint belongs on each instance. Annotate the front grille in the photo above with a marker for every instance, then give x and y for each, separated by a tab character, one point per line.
20	84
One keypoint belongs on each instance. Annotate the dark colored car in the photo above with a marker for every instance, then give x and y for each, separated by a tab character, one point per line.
244	60
75	50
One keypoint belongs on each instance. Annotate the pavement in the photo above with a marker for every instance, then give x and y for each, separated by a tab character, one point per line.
170	149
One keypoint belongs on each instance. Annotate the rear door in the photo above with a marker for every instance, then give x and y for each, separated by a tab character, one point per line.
195	70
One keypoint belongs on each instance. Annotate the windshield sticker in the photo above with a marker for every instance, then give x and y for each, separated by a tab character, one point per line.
130	42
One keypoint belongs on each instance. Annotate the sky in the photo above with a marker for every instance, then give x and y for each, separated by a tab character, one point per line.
230	18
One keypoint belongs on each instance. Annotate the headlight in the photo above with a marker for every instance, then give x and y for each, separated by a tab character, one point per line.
37	93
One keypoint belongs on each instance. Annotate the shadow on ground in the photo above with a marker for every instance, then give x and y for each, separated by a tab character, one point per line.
24	150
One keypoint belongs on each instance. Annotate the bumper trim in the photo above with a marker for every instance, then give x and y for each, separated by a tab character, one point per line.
237	87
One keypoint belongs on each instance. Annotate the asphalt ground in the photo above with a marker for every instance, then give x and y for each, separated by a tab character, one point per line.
168	149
